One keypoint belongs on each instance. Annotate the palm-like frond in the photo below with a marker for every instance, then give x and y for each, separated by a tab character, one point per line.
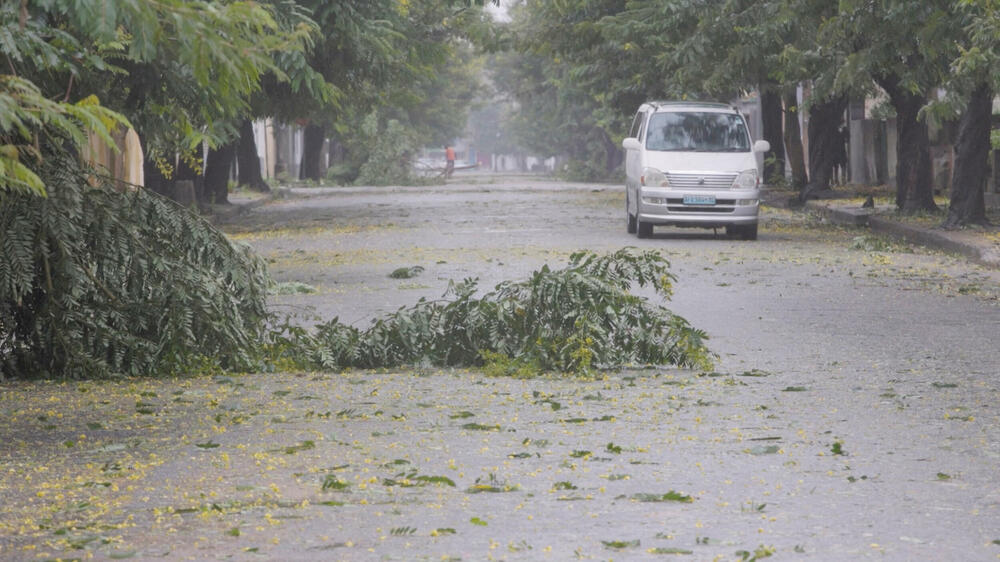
96	281
570	319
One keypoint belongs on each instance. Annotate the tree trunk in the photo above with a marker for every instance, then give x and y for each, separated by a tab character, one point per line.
793	140
248	161
312	152
774	159
914	183
825	144
186	172
154	178
613	153
971	161
217	171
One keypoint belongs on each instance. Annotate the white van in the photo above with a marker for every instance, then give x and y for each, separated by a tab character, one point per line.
691	164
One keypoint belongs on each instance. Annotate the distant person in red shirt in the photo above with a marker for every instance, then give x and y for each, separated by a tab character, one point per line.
449	156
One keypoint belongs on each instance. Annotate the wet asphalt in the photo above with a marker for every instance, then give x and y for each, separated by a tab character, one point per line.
853	412
874	375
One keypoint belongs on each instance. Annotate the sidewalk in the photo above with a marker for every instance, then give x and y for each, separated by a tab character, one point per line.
241	202
979	245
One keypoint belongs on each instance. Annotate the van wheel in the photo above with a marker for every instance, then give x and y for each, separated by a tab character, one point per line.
749	231
630	222
644	229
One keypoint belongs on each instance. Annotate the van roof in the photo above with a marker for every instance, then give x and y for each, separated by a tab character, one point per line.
678	105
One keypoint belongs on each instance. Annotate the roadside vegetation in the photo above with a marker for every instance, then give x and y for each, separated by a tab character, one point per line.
88	287
572	320
98	277
579	69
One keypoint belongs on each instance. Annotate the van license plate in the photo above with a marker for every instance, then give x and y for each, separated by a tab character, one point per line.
699	200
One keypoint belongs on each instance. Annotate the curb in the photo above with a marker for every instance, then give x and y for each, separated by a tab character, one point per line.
219	213
982	254
936	239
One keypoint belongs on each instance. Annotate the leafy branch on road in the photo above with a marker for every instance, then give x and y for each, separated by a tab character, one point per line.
95	281
572	320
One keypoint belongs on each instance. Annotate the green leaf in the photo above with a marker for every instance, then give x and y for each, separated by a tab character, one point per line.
670	496
620	545
332	482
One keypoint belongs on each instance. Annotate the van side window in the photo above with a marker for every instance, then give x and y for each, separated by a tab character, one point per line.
642	127
637	124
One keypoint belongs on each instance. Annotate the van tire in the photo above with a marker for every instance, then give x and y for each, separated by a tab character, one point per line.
749	231
630	221
644	229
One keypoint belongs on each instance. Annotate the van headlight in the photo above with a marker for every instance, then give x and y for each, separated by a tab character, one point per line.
747	179
654	178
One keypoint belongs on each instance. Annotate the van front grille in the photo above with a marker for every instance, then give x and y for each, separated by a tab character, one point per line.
701	181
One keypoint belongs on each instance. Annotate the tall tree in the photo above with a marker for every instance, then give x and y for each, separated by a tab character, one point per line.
569	80
804	60
737	45
87	285
904	46
972	82
177	70
294	75
971	167
793	138
825	143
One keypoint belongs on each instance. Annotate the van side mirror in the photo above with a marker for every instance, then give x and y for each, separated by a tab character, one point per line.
631	143
761	146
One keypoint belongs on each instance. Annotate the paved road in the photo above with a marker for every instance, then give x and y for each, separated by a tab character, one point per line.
854	412
891	354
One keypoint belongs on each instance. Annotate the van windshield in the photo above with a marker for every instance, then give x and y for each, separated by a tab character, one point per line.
697	132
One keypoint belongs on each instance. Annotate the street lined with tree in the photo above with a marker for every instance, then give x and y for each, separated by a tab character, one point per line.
483	366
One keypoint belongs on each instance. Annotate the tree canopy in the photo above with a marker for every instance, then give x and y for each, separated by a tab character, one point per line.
86	284
591	62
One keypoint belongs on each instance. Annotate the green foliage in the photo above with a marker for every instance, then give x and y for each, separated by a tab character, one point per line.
414	479
291	288
670	496
621	545
406	272
759	553
332	482
499	365
390	150
558	72
26	115
492	485
95	281
588	171
177	69
411	62
870	243
570	320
